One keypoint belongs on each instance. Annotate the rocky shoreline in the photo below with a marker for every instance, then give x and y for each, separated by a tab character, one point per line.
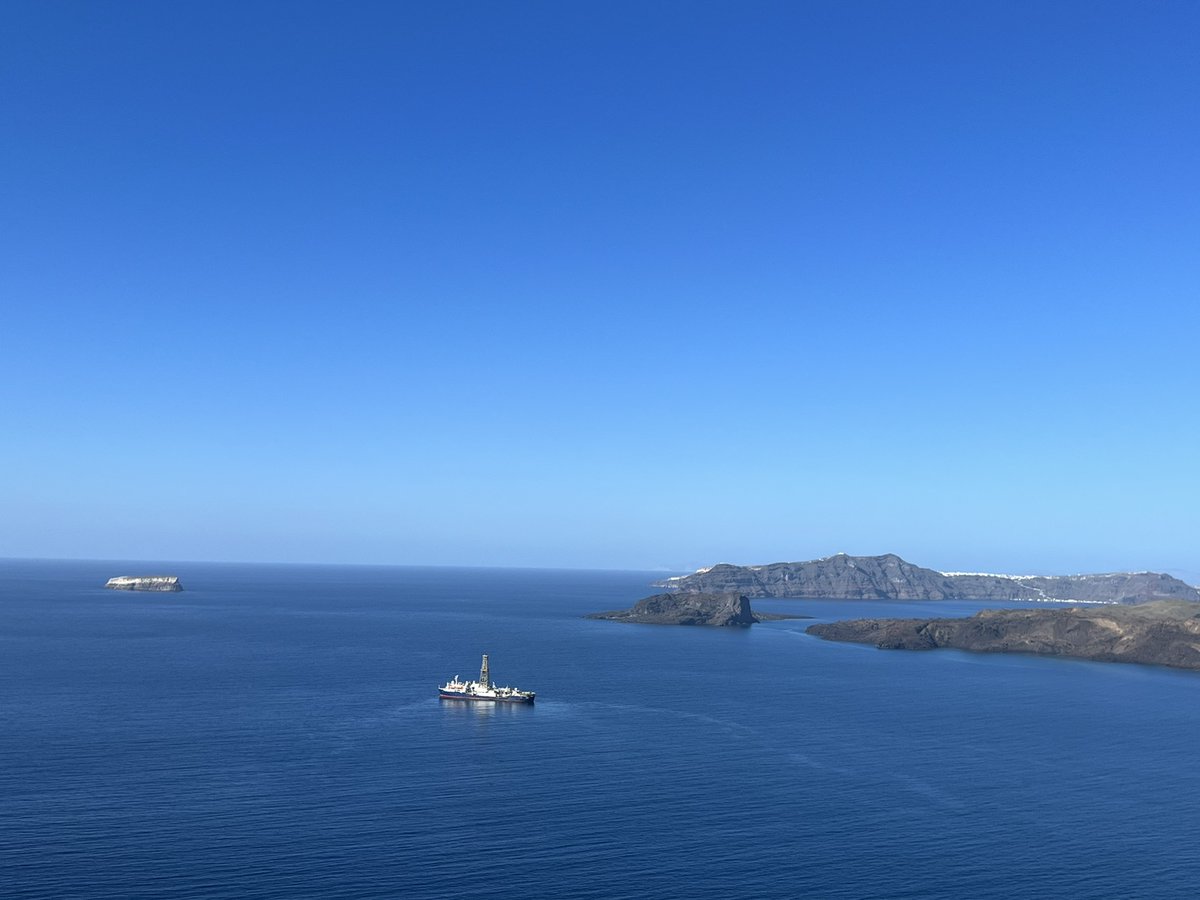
1164	633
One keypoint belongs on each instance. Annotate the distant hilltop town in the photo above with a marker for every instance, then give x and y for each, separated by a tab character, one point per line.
889	577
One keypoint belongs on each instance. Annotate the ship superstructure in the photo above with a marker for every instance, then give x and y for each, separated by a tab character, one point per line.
483	690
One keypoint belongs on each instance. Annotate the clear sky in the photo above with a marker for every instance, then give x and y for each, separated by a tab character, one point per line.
613	285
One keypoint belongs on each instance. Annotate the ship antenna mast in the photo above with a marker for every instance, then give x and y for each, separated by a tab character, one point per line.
484	675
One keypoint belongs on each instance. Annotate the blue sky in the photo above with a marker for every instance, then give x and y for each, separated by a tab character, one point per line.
601	285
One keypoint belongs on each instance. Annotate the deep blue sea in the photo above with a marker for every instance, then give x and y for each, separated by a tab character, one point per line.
274	731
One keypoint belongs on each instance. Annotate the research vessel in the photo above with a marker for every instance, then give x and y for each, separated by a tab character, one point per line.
483	690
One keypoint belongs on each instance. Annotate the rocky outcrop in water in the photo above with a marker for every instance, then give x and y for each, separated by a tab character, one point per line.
145	583
889	577
719	610
1162	633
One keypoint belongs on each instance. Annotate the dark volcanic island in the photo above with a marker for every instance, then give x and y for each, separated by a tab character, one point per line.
718	610
1164	633
889	577
1137	617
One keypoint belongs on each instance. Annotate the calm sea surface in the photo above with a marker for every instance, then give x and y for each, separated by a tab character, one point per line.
274	731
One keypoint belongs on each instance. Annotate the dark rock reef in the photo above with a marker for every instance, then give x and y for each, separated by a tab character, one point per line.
1163	633
889	577
145	583
718	610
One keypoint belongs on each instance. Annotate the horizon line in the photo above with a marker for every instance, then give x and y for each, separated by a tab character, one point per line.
370	565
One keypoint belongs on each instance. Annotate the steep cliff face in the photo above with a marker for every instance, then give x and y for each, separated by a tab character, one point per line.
889	577
719	610
886	577
1164	633
145	583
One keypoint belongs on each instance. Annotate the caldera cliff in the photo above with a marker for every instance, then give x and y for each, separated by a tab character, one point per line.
888	577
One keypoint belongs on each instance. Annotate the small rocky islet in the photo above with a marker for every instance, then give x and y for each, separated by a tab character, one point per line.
720	610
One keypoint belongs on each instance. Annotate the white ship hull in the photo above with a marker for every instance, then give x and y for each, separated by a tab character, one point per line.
483	690
487	696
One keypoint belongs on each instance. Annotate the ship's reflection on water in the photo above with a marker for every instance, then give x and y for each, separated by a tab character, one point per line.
473	709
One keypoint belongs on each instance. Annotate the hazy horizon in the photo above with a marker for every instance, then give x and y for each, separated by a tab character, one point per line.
1191	577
